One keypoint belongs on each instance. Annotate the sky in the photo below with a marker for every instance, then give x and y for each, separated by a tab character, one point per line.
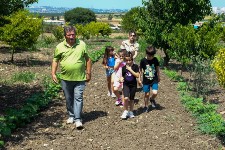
104	4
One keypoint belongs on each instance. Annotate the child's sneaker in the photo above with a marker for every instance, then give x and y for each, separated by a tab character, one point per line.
118	102
124	115
113	95
131	114
153	103
109	94
146	109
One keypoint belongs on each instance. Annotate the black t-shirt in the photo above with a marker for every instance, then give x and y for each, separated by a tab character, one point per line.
129	78
149	70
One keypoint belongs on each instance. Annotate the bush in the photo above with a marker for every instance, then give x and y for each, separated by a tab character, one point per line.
58	33
219	64
22	32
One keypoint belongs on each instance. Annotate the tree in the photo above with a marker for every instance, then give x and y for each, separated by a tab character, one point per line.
158	17
22	32
219	65
128	20
79	16
110	16
7	7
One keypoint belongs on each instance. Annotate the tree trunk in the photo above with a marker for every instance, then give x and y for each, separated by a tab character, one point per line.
12	56
166	58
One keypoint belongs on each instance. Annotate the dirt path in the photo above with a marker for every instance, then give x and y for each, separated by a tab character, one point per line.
170	128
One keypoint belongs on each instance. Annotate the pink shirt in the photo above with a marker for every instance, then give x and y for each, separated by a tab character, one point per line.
118	72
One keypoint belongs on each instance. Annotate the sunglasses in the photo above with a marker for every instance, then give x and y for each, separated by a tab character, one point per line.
133	35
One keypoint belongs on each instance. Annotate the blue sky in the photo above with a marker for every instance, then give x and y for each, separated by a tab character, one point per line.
104	4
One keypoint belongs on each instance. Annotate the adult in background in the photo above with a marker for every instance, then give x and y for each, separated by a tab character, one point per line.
131	44
75	66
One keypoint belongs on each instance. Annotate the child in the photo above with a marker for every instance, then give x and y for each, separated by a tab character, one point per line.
151	76
109	63
129	74
117	75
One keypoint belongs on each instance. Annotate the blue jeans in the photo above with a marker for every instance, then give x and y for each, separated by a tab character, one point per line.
73	91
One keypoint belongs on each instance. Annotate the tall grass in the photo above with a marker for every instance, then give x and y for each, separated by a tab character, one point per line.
23	77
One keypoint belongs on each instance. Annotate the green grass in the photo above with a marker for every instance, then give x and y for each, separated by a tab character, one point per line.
23	77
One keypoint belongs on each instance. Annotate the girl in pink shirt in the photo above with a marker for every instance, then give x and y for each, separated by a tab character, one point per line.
117	85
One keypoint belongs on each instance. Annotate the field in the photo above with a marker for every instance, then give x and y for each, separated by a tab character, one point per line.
170	127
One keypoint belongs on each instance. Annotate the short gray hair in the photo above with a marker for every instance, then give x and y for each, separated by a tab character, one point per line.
69	29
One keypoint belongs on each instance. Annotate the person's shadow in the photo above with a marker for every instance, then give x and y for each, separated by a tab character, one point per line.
141	110
92	115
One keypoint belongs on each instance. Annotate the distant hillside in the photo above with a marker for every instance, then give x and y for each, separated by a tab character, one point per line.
61	10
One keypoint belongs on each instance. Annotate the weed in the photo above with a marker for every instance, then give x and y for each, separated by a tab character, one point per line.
23	77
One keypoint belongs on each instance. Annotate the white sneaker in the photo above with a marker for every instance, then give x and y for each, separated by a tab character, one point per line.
109	94
79	124
124	115
113	95
70	120
131	114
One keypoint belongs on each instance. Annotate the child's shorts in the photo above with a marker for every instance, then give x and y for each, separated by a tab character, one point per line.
146	87
109	72
129	91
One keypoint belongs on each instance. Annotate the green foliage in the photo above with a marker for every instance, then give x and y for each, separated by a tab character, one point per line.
173	75
209	121
1	144
58	33
182	41
223	34
23	77
93	29
209	36
129	21
22	32
8	7
19	117
185	41
219	64
48	40
110	16
79	16
157	18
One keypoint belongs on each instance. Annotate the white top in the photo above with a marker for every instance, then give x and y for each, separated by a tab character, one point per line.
130	47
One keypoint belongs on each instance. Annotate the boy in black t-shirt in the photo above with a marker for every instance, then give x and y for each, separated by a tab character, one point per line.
129	74
150	68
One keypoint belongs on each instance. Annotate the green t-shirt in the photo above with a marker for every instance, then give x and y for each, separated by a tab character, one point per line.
72	60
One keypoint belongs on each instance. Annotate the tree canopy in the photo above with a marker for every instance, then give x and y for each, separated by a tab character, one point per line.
128	20
158	17
79	16
7	7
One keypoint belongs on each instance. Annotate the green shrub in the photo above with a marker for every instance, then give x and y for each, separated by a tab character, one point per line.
24	77
58	33
22	32
219	64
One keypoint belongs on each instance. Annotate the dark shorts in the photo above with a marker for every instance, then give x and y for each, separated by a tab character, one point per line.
129	91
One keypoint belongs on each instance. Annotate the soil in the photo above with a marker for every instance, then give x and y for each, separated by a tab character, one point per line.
169	128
